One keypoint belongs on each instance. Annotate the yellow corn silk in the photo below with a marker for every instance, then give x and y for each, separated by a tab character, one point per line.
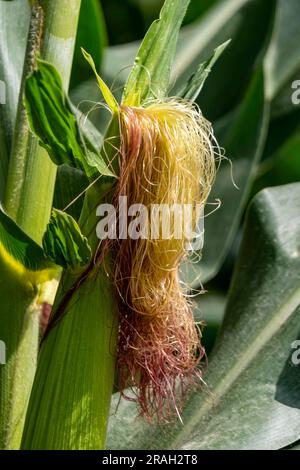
166	158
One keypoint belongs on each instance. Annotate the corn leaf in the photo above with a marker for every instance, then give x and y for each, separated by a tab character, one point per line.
64	243
150	75
107	94
54	123
197	80
251	400
72	390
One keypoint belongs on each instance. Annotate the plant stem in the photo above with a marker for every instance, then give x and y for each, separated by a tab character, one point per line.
28	199
31	175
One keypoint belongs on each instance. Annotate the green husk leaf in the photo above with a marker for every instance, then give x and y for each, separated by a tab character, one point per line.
52	120
107	94
64	243
73	385
195	84
150	75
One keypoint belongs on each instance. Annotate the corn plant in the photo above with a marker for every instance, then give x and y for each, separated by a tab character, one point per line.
102	346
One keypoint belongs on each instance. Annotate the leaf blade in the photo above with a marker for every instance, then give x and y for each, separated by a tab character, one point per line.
253	352
107	94
54	123
150	75
64	243
195	83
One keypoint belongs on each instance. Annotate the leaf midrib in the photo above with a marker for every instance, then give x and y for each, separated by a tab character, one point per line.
249	354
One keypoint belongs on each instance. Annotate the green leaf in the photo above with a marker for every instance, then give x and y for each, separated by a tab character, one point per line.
195	83
150	75
14	23
251	400
19	319
18	251
73	385
244	142
91	34
107	94
31	175
54	123
64	243
70	187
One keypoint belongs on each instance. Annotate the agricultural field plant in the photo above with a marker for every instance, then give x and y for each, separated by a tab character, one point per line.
119	330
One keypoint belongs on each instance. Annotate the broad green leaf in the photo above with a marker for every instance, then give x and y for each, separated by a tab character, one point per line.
53	121
64	243
282	58
14	22
243	141
150	75
91	34
195	83
107	94
251	400
73	384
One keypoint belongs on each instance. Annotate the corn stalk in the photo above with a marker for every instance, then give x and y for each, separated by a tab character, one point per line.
28	200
